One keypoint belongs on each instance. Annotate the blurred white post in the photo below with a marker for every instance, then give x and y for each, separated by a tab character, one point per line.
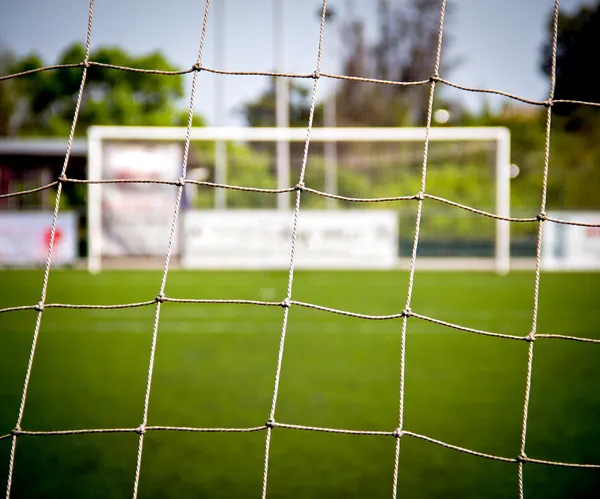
330	152
220	146
94	203
331	158
503	202
282	108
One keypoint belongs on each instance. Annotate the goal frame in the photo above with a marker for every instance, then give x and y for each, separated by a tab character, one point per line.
97	134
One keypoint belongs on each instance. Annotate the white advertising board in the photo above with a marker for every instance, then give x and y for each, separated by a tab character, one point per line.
136	218
570	247
25	236
261	239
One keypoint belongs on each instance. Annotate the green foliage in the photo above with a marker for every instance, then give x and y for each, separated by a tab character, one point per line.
574	175
111	97
250	168
261	112
464	183
577	45
574	160
528	138
6	92
402	48
246	167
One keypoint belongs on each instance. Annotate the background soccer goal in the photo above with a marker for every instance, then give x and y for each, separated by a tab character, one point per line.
321	379
375	164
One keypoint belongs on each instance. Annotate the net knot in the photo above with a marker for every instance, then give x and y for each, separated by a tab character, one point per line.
270	423
299	186
316	75
16	431
141	429
542	217
407	312
434	77
61	178
39	306
160	297
286	303
84	64
420	196
197	67
548	103
180	181
522	458
398	433
530	337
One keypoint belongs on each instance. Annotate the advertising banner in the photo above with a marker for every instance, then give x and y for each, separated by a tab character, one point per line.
261	239
137	217
25	236
570	247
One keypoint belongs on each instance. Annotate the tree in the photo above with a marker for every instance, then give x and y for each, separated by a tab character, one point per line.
45	101
577	47
6	87
575	153
261	112
528	136
404	49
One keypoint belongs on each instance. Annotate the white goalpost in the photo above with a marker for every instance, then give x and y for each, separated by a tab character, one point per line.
161	165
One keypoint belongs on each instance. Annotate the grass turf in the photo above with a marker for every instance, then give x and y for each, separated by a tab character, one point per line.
215	366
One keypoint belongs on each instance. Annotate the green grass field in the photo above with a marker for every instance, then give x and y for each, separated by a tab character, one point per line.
215	366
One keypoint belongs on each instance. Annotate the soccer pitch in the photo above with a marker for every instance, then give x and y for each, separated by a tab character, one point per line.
215	367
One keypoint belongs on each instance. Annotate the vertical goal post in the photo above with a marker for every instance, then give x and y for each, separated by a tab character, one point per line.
277	135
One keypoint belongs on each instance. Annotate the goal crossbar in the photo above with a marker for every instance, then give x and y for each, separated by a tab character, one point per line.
298	134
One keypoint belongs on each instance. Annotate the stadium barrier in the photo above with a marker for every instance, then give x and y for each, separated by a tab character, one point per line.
24	238
259	239
571	246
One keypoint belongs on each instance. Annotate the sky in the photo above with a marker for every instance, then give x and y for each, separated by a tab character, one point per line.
498	42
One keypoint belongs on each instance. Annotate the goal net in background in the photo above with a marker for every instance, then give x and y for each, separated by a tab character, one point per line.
374	169
300	189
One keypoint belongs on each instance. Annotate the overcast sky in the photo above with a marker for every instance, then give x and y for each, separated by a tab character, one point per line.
498	41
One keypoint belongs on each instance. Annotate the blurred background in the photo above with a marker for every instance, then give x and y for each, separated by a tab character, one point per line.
215	364
486	45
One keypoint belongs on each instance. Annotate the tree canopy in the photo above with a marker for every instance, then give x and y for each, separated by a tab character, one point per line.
403	49
577	46
44	102
261	111
6	101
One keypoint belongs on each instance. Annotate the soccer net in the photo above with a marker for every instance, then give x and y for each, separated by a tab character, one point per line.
298	191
